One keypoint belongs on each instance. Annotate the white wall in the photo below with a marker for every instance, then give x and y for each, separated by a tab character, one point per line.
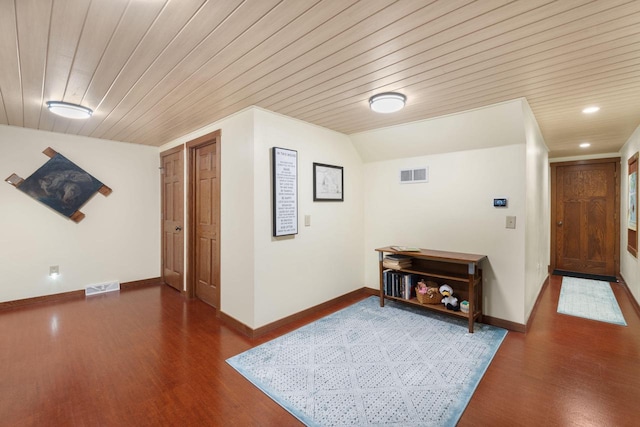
322	261
491	126
265	279
119	239
537	228
454	212
629	265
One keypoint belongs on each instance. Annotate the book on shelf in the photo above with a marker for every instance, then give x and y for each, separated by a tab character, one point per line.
399	285
386	281
408	283
397	257
396	263
405	249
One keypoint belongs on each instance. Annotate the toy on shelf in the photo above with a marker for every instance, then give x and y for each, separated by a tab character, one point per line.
427	293
449	300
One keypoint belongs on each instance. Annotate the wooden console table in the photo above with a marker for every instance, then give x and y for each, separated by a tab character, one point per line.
459	270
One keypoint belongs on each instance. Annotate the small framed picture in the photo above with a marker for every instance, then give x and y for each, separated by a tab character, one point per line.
328	183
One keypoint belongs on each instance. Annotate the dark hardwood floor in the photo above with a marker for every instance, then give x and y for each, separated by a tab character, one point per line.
147	357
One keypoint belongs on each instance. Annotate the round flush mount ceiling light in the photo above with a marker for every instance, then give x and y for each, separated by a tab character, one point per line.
591	110
388	102
585	145
68	110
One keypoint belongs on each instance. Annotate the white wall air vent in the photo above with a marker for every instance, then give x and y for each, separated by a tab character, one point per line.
102	288
412	176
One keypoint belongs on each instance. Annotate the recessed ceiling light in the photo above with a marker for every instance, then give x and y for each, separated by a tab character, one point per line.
388	102
68	110
585	145
590	110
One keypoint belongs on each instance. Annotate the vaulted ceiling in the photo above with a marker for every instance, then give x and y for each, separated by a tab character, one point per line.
154	70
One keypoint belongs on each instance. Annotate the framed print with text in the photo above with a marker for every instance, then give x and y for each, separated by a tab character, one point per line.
285	191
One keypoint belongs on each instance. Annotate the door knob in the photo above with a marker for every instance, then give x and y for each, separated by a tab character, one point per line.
559	222
178	228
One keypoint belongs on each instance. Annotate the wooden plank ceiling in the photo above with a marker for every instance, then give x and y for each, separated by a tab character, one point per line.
154	70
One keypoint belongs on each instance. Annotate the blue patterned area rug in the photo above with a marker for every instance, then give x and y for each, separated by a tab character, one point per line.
591	299
372	366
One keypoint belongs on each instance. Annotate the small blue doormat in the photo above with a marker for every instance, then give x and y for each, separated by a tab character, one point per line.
368	365
590	299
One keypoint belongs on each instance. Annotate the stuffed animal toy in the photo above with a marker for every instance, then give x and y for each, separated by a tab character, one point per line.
449	300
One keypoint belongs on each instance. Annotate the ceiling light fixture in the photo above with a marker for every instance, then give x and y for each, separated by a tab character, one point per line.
585	145
591	110
388	102
68	110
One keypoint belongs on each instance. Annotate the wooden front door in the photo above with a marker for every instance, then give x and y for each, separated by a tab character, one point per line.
585	219
173	217
204	163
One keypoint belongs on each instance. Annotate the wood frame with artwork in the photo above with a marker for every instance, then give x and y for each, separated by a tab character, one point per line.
328	183
632	207
61	185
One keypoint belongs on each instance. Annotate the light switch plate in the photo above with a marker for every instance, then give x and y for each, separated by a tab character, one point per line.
307	220
511	222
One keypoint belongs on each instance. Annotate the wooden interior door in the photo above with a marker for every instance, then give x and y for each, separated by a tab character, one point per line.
173	217
204	154
585	219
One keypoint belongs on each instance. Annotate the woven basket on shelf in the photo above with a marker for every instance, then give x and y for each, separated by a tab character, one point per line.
432	296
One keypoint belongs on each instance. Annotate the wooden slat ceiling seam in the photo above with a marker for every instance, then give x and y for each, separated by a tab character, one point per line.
3	112
426	61
189	89
10	79
312	118
486	7
68	20
489	67
302	76
217	40
541	67
218	83
163	34
332	107
157	70
135	23
152	61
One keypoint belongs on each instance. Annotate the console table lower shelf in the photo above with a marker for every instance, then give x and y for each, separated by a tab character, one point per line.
477	317
459	270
